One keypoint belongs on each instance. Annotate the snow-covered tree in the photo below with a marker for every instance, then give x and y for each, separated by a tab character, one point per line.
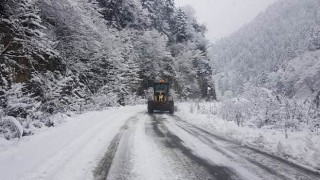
61	56
181	26
161	13
124	14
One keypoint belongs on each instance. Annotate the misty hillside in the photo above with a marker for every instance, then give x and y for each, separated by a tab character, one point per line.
76	55
279	50
267	74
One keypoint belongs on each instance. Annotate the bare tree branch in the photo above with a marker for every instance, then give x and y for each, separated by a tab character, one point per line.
6	48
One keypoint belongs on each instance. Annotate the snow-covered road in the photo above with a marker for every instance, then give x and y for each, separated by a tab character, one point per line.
69	151
128	143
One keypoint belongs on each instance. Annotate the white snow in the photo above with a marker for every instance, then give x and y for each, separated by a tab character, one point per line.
140	156
206	152
300	147
149	161
68	151
75	147
15	122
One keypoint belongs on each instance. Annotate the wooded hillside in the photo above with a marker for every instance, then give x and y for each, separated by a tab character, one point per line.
263	51
75	55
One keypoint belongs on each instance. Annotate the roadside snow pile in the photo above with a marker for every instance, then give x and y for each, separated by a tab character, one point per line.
10	127
302	147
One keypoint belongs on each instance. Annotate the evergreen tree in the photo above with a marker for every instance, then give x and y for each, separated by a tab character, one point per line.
122	14
180	26
27	54
160	13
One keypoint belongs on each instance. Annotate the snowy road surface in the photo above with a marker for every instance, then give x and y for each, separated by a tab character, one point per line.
128	143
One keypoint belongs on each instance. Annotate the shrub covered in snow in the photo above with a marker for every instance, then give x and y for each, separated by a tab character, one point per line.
295	137
263	109
10	128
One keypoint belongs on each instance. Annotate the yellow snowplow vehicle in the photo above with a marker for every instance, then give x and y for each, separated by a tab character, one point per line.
161	98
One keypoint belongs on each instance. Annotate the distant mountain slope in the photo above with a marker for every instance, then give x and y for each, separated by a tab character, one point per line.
287	30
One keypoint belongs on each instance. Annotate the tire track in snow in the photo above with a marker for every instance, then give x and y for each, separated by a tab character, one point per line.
78	152
101	172
275	166
52	166
155	155
202	169
272	173
133	154
184	167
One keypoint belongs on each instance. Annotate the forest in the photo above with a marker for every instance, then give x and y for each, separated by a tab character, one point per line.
70	56
76	77
267	73
73	56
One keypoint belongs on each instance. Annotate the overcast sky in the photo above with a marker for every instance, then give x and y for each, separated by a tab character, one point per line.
224	17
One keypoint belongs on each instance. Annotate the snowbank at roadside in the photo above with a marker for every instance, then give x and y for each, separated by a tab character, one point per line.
299	147
69	150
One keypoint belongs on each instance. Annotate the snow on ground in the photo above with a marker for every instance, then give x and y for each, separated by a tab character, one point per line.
300	147
68	151
74	148
149	161
206	152
141	154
